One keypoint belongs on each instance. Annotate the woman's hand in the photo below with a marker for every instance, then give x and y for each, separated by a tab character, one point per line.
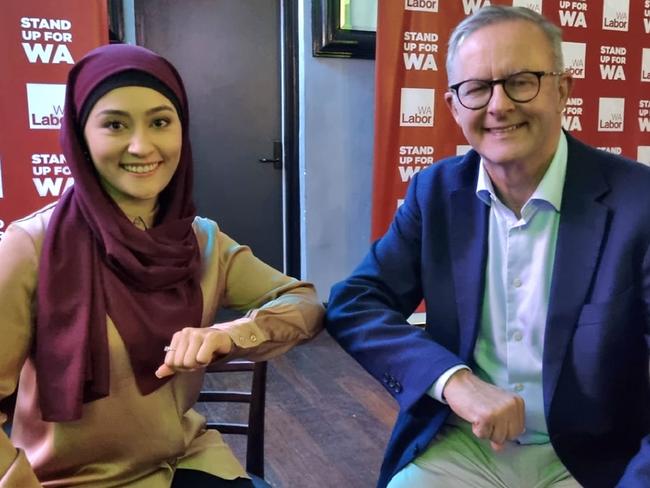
193	348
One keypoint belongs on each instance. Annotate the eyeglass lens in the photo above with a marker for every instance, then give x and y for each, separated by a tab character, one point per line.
520	87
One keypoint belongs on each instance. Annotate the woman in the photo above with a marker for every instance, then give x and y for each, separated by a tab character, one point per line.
107	297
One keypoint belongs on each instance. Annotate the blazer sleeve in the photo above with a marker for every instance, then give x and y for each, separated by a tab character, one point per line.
281	312
367	313
637	473
18	265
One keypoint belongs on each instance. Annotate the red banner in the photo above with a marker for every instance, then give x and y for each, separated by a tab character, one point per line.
41	40
606	48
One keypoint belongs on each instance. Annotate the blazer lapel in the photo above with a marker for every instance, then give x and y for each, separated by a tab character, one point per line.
583	222
468	247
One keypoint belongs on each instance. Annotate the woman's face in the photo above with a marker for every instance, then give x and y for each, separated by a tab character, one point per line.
134	136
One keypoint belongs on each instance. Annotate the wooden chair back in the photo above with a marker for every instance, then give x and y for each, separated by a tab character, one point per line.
255	398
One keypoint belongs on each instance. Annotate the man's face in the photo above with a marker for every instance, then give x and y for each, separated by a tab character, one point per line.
506	132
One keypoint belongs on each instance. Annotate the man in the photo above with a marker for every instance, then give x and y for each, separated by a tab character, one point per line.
532	254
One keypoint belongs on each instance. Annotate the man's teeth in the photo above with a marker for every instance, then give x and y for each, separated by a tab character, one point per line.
139	168
505	129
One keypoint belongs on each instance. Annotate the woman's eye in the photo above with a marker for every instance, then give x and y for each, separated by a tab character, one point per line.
114	125
161	123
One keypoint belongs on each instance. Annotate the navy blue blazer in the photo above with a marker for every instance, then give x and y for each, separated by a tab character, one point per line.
595	364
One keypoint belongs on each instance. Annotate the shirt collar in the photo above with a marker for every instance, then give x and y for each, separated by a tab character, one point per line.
549	189
140	220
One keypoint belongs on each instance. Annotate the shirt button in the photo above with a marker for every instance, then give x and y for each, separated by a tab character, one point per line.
519	387
516	282
253	337
517	336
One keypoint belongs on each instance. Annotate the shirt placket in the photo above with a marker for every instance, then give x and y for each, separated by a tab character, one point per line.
516	252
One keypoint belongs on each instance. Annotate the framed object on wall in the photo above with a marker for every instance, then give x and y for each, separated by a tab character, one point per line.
344	28
115	21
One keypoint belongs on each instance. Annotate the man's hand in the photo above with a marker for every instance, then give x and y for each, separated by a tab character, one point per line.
193	348
495	414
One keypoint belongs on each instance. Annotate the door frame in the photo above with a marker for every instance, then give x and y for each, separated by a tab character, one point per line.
122	11
290	134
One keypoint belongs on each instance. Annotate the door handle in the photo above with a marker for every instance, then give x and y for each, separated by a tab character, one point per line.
276	160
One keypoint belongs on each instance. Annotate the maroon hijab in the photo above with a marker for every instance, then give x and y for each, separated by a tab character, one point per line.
95	262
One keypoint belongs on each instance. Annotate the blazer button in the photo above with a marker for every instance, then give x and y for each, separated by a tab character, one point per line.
416	450
398	387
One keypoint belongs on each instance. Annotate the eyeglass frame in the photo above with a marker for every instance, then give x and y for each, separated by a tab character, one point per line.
502	81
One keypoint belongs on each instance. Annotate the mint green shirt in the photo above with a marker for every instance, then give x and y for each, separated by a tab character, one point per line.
521	253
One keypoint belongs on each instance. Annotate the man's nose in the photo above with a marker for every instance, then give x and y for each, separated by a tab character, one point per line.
500	101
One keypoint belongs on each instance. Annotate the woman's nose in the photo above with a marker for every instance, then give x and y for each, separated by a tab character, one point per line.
140	143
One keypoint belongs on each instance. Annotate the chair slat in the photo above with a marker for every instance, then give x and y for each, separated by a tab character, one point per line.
225	396
256	398
228	428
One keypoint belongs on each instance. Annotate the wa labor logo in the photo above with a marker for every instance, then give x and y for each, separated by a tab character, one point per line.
416	107
421	5
535	5
574	54
45	105
611	113
645	65
616	15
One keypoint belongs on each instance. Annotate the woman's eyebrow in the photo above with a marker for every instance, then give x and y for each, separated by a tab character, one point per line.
124	113
111	111
159	108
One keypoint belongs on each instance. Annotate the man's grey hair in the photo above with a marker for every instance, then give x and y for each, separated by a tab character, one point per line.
495	14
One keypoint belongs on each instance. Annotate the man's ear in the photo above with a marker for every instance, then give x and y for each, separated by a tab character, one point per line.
450	100
565	85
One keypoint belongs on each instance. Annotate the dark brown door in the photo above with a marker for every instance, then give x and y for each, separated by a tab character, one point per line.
228	53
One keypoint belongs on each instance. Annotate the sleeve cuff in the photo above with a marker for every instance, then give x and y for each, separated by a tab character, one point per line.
244	332
439	385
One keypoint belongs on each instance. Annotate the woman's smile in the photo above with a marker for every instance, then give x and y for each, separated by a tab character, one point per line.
143	169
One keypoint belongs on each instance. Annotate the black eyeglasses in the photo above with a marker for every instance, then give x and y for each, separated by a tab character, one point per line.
520	87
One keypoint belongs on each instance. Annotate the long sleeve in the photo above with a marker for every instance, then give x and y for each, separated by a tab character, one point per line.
367	313
281	311
18	264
